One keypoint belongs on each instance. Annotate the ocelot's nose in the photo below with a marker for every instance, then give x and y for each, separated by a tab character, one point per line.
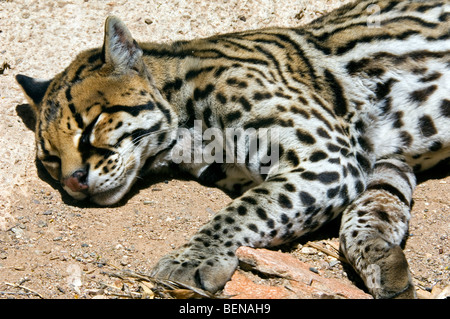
77	182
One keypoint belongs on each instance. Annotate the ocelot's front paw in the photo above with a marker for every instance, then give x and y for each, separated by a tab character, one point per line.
206	269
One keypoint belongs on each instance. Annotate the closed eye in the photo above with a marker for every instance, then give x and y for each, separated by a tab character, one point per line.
51	160
86	135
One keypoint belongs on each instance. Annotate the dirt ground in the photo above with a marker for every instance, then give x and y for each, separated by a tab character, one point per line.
53	247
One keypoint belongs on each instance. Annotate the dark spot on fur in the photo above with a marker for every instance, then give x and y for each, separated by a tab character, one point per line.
261	213
242	210
422	95
253	227
305	137
284	201
292	158
307	199
426	126
318	156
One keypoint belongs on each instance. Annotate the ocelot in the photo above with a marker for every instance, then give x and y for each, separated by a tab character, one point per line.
352	105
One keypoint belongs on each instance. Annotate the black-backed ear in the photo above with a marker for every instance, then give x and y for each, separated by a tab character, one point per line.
34	89
120	50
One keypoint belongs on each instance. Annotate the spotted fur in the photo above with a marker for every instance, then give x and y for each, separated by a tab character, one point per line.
360	98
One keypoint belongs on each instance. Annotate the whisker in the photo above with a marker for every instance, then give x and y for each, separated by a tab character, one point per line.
140	137
131	145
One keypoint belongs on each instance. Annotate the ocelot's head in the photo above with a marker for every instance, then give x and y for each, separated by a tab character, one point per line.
99	120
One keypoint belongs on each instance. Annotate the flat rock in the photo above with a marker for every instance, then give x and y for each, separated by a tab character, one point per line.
299	281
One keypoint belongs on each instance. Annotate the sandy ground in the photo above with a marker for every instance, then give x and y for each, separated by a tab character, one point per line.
54	248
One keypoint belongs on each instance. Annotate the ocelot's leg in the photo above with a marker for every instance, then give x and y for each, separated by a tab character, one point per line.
281	209
374	226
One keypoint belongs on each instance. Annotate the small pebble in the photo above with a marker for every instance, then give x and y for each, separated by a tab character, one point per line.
308	251
18	232
333	263
42	224
314	270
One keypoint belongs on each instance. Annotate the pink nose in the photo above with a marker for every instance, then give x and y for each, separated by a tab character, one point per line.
77	182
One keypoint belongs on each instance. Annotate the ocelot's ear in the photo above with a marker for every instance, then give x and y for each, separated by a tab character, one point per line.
34	89
120	50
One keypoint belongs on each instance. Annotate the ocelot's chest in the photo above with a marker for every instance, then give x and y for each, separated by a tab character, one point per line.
232	158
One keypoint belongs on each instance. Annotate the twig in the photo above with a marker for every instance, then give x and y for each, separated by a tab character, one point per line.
336	255
128	294
162	286
25	288
16	293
